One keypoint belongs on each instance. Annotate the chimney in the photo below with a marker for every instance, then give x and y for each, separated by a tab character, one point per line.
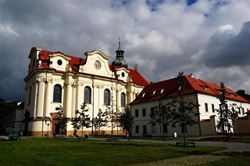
136	67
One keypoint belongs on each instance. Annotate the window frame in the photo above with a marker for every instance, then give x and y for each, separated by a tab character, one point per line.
136	113
123	99
144	112
87	95
106	97
213	109
137	129
206	107
57	93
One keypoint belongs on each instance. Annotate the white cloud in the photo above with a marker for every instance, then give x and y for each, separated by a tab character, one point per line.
162	42
8	31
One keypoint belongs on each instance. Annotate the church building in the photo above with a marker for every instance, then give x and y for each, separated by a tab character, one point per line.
56	79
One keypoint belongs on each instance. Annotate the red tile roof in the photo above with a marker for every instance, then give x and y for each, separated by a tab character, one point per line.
137	78
168	88
75	62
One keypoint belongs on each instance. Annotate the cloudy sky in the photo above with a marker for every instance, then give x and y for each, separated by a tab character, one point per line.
209	38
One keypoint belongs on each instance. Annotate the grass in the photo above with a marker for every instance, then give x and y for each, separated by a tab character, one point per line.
234	158
245	139
38	151
231	161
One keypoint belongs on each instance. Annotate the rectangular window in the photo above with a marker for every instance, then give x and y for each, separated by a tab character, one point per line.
136	129
165	128
183	129
145	130
136	113
243	111
153	129
213	108
206	107
152	111
144	112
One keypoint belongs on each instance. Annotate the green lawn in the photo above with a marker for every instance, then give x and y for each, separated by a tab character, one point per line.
37	151
234	158
231	161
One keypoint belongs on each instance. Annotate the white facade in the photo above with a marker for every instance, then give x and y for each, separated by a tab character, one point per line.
208	104
73	75
157	130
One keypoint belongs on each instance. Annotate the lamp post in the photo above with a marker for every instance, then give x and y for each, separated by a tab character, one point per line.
47	122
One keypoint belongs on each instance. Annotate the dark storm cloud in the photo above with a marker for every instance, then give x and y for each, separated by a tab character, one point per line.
227	49
162	41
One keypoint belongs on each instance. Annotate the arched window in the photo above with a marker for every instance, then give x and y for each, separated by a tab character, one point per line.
87	95
123	99
106	97
57	96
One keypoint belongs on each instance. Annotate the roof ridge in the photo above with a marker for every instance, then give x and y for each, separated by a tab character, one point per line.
212	89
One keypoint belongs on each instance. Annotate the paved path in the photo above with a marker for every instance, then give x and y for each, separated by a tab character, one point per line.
230	146
197	159
184	161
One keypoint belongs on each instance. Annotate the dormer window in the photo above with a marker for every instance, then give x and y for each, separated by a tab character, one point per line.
162	90
143	94
59	62
123	74
154	92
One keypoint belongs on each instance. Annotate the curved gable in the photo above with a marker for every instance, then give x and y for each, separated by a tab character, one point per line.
90	53
97	63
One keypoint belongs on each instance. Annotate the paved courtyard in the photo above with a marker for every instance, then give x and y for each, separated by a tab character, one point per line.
235	147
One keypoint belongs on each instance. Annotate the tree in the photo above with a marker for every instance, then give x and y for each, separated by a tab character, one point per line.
113	117
75	124
84	119
126	121
182	112
227	114
160	115
101	120
61	119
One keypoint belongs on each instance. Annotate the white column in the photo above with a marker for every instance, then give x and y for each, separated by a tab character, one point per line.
76	100
99	97
35	105
40	100
73	101
47	98
68	100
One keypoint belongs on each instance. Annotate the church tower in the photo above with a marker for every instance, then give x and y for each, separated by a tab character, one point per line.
119	61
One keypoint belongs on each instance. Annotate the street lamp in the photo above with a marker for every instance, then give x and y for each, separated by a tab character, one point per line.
47	122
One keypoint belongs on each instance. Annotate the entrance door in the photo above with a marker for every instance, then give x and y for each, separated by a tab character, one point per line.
57	131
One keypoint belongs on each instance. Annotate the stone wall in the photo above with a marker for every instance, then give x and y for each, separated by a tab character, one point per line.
242	125
208	126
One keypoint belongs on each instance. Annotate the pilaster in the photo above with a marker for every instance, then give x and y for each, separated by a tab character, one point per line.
40	98
47	97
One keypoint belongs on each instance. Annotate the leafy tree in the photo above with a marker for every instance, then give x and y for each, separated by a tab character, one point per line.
61	120
160	115
126	121
75	124
226	114
101	120
182	112
113	117
84	119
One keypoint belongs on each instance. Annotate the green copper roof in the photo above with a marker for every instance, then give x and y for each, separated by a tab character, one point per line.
119	61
